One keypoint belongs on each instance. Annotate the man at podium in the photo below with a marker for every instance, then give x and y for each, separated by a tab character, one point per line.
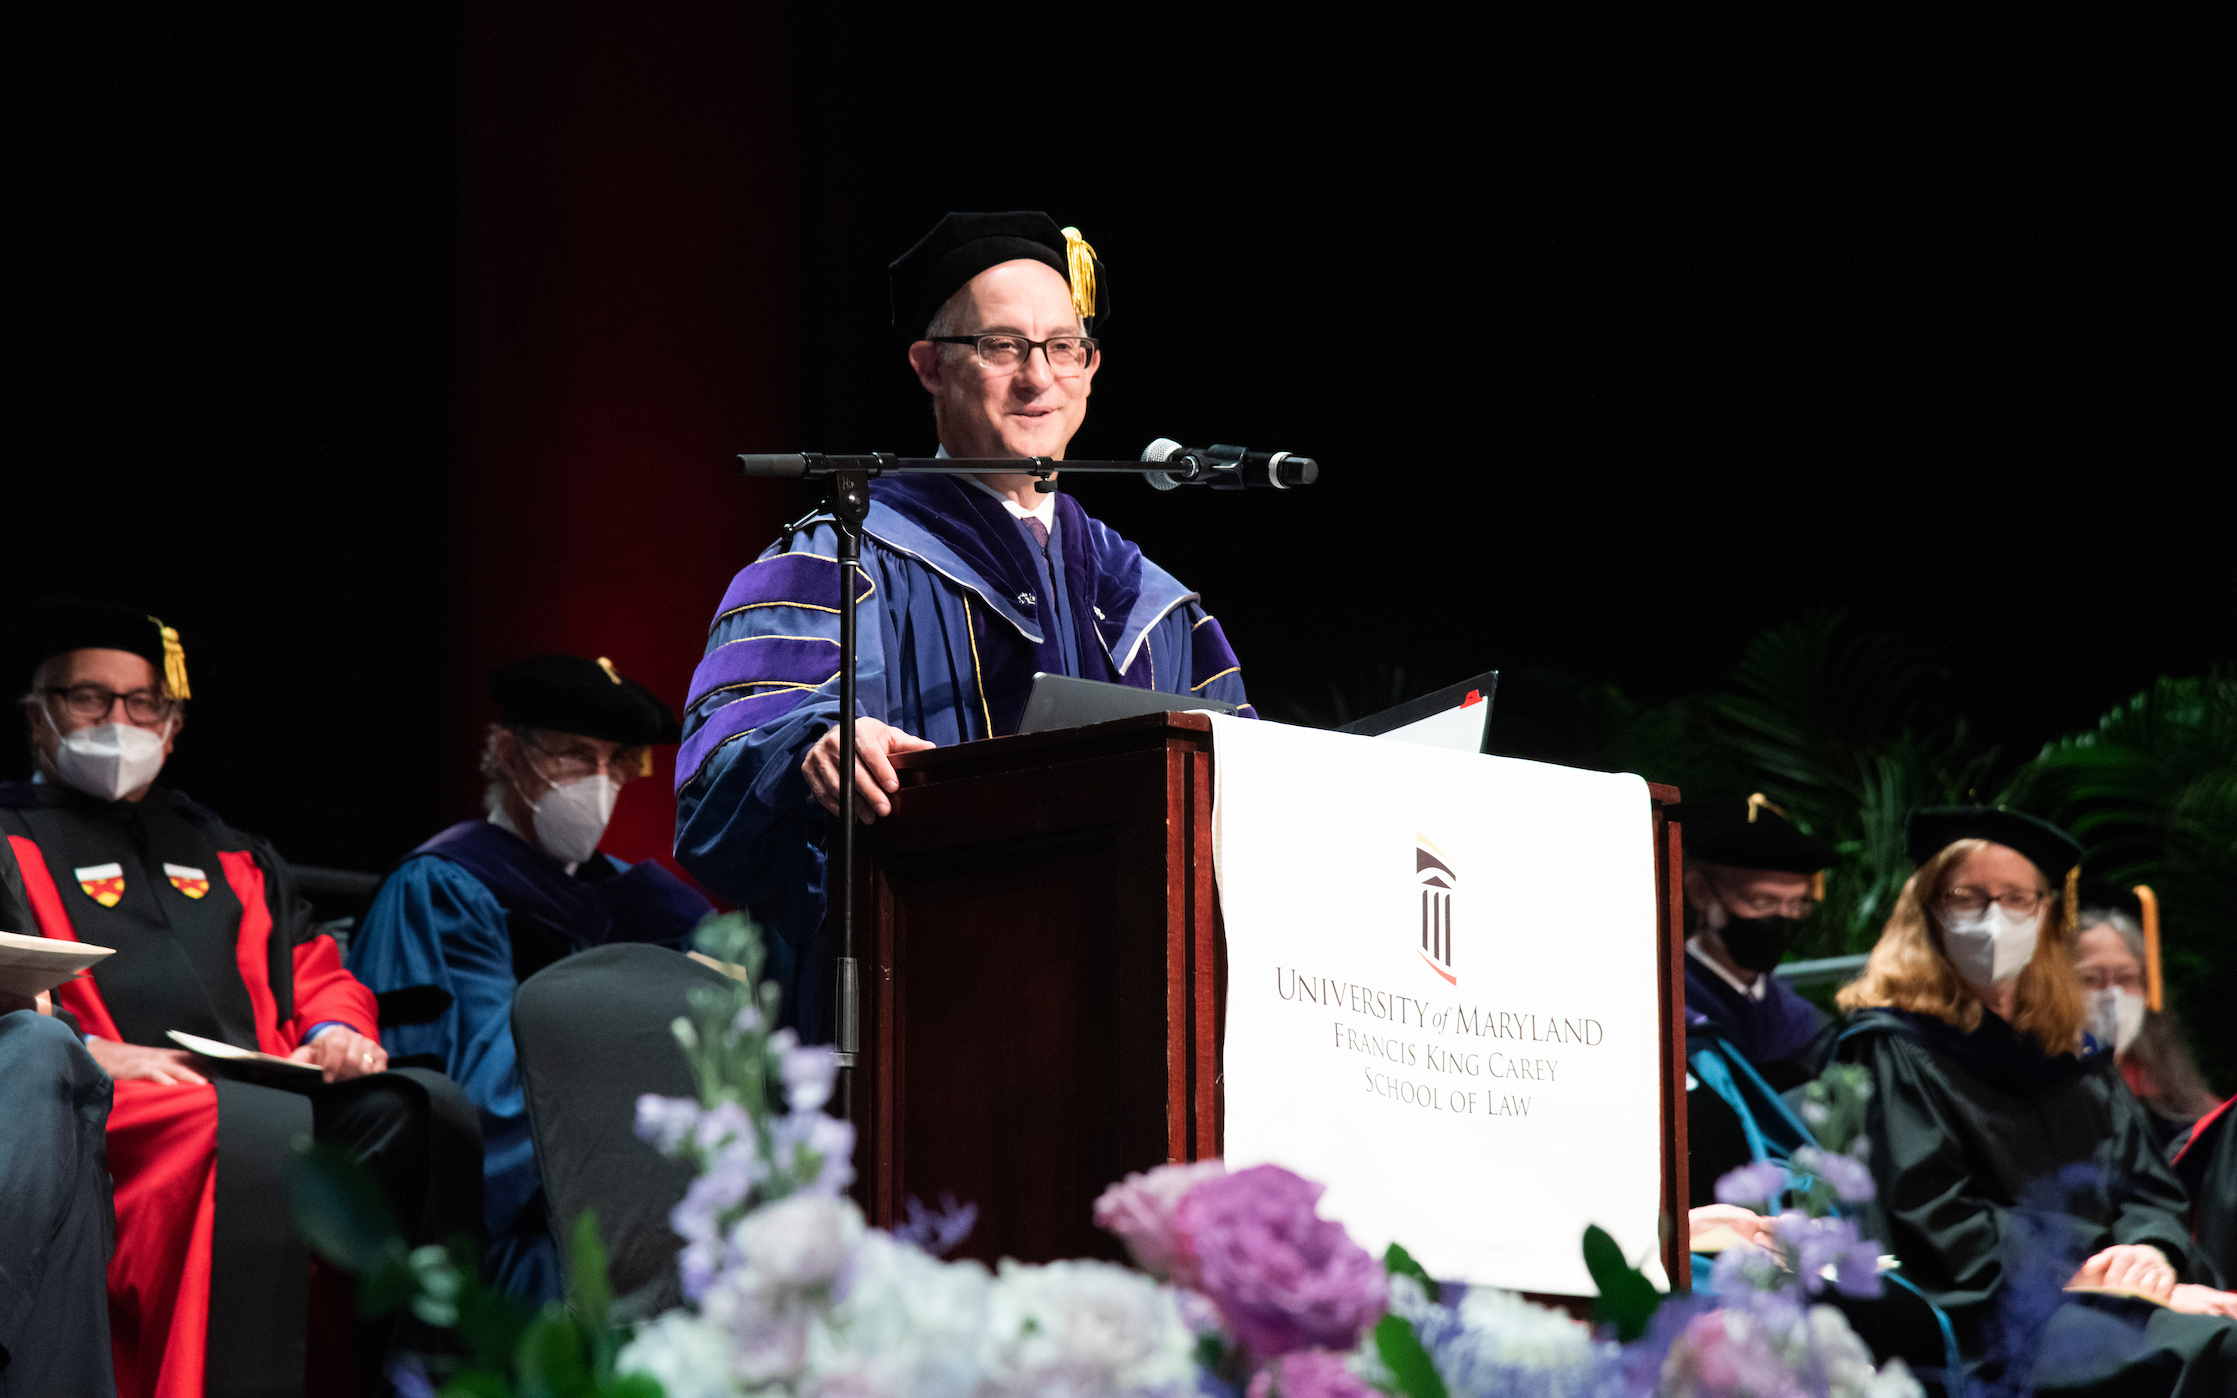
972	584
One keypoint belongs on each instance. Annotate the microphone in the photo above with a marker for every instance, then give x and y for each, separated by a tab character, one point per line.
1228	468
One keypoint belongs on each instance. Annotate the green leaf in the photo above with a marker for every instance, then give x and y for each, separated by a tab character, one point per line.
1400	1263
1627	1299
631	1386
491	1323
477	1383
1409	1364
591	1292
550	1360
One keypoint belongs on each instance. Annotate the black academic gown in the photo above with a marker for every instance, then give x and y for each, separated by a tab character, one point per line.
1999	1171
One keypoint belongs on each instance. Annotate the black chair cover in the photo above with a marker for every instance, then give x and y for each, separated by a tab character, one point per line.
592	1034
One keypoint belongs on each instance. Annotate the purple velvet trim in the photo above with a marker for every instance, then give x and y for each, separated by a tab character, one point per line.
765	660
796	579
1776	1027
731	720
1209	655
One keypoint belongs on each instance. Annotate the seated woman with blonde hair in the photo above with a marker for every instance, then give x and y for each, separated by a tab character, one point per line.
2008	1157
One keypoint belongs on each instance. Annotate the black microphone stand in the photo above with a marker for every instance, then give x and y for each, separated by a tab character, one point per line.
849	503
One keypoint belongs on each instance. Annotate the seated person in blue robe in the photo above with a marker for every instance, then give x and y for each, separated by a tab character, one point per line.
971	585
486	904
1751	877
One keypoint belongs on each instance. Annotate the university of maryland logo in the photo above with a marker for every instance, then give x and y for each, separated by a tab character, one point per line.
1437	880
191	882
103	883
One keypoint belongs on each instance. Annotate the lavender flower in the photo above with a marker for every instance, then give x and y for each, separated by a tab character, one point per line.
666	1121
1750	1185
937	1233
1140	1209
809	1075
1816	1244
1285	1278
1847	1175
721	1124
813	1150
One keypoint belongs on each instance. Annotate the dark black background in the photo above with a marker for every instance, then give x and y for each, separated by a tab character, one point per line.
1621	334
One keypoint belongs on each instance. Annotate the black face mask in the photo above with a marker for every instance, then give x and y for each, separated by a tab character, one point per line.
1758	942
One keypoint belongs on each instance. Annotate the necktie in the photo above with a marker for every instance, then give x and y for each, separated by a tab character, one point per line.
1039	531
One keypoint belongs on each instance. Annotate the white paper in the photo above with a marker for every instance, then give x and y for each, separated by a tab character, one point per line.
1460	729
29	965
1480	1098
212	1048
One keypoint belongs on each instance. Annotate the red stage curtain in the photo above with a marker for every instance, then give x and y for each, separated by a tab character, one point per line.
624	310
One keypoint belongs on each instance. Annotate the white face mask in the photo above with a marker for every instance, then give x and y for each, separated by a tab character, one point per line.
2116	1017
108	760
572	817
1992	945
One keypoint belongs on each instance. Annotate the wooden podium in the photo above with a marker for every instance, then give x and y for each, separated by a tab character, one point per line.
1043	982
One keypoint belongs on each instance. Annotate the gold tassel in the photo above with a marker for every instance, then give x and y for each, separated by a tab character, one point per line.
174	661
2073	903
1761	802
1817	886
644	762
608	667
1080	258
2150	901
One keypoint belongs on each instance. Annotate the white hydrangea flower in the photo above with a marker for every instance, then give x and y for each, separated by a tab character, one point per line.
689	1357
1084	1328
907	1325
1500	1327
798	1242
1846	1361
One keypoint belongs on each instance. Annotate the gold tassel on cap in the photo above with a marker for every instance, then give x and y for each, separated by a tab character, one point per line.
2073	902
1080	258
2150	902
644	762
608	667
1817	886
1760	802
174	661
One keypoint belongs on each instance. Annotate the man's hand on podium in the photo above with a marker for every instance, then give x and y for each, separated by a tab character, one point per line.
874	744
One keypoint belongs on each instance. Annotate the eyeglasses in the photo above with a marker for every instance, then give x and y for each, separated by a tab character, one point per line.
1770	905
87	702
1966	901
1067	354
577	763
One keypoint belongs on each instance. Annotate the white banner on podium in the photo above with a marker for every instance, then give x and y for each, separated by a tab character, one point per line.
1441	996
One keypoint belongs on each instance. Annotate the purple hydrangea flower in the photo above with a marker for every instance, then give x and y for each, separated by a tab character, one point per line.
665	1121
1285	1278
1311	1373
1751	1185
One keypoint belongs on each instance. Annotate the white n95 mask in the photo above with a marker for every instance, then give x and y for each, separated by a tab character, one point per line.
572	817
1992	945
110	759
2116	1017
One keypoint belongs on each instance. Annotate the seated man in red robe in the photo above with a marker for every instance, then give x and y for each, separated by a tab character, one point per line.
208	1286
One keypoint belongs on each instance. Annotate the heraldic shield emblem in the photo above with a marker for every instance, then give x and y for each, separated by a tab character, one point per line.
191	882
103	883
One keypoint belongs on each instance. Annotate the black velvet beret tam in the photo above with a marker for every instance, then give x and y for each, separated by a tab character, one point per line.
568	694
